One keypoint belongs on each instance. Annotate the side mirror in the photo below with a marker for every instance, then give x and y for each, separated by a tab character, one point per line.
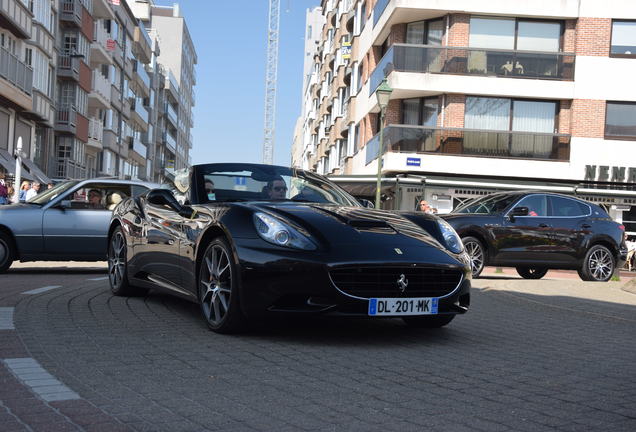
366	203
65	204
163	197
518	211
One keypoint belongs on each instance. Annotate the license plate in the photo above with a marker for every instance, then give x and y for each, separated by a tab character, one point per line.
402	306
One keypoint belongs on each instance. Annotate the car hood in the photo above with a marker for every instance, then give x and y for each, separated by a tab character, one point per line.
353	225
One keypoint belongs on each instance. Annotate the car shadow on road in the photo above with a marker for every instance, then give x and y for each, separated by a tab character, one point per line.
57	270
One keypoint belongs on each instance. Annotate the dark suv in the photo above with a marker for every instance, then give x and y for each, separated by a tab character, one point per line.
536	231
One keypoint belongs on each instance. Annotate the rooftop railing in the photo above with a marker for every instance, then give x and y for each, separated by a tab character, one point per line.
473	61
471	142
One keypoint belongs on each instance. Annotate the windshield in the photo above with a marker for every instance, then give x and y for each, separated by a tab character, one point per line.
50	194
251	182
488	204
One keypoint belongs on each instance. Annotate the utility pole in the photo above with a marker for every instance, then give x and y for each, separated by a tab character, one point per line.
271	77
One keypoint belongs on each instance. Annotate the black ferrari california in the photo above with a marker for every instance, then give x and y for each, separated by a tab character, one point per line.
244	240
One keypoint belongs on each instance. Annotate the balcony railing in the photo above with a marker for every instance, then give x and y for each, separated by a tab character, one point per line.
473	61
138	107
471	142
66	116
65	168
101	85
172	114
71	10
139	68
139	147
15	71
95	129
379	8
171	143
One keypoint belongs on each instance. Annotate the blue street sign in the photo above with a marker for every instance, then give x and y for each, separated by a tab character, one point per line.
413	161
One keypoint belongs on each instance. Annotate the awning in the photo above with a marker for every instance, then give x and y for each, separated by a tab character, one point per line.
36	172
8	162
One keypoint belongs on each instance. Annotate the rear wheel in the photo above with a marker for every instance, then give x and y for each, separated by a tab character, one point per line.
476	253
7	252
598	264
429	321
532	272
218	289
118	266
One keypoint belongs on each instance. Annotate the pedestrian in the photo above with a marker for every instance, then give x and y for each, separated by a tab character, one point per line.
35	188
424	207
49	186
3	191
10	192
24	188
631	252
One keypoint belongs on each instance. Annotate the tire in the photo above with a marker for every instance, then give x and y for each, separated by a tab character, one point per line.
598	265
434	321
218	289
532	272
118	266
477	253
7	252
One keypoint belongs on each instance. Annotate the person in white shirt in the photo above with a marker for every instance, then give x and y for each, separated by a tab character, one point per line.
35	188
631	251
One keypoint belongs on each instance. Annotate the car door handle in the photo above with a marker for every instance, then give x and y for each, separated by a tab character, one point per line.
542	225
586	226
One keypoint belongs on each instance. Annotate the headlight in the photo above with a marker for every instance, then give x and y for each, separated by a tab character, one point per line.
276	231
452	240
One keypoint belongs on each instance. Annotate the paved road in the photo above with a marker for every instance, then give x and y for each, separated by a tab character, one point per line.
555	354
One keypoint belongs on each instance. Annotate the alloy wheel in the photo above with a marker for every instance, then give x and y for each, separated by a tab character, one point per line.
600	264
4	252
216	284
117	260
476	254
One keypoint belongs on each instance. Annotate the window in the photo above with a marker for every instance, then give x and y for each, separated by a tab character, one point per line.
565	207
515	34
99	196
537	205
420	111
623	38
28	56
425	32
620	120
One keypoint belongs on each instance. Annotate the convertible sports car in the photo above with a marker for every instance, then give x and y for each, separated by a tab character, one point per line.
244	240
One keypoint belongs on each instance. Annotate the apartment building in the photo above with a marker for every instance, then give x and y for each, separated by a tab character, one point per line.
176	78
487	95
80	84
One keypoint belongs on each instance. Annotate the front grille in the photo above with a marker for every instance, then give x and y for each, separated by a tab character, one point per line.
368	282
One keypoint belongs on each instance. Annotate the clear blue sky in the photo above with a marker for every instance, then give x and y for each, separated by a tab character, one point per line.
230	38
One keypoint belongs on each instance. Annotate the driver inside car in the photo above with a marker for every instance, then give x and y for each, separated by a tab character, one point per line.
276	189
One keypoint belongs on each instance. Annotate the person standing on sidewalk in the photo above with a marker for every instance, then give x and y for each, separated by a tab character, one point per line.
35	188
3	191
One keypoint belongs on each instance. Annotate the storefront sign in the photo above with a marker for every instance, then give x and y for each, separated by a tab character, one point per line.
413	162
610	173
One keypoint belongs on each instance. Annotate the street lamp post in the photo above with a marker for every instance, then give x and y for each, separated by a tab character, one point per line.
18	170
383	94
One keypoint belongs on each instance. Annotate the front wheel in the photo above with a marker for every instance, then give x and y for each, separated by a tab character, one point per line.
598	264
219	290
532	272
7	252
430	321
476	253
118	266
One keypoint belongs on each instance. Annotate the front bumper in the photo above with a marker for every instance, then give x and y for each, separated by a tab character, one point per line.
300	284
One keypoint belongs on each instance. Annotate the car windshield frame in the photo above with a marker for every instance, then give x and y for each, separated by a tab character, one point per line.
490	203
303	186
49	195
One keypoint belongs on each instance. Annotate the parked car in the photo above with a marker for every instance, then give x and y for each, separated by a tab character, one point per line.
536	231
256	239
68	222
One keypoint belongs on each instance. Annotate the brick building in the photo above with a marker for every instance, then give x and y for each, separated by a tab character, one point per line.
487	95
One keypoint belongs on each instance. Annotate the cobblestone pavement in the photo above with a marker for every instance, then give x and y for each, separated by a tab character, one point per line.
554	354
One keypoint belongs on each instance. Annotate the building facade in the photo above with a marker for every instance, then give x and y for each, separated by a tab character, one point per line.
487	95
80	84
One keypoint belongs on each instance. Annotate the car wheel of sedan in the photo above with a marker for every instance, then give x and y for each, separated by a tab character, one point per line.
118	266
218	289
7	252
598	264
477	254
428	321
532	272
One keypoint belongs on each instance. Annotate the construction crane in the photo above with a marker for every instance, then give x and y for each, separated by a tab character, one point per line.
271	77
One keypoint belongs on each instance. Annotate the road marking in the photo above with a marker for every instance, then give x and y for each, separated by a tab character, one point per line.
6	318
29	371
98	279
41	290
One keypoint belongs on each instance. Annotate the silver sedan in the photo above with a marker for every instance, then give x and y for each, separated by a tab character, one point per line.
66	223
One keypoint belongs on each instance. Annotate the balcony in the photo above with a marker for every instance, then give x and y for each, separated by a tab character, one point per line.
142	44
170	142
172	115
66	119
473	61
68	66
100	51
102	9
20	78
141	77
138	147
64	168
16	17
379	8
95	133
172	86
99	97
139	114
471	142
71	12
